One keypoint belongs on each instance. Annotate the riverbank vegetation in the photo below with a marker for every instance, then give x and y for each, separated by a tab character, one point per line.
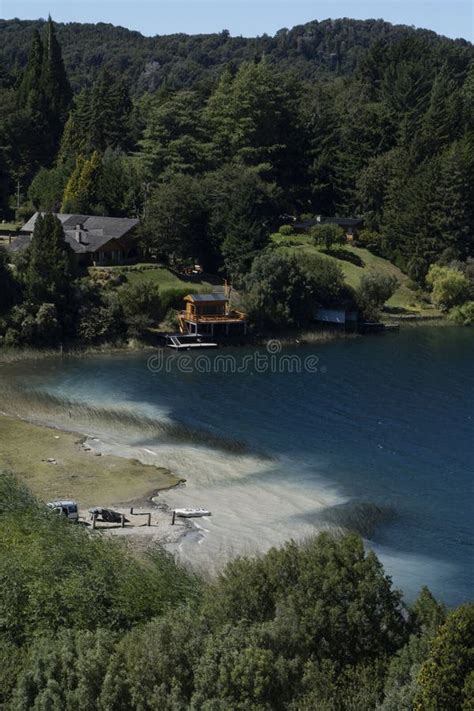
85	625
215	160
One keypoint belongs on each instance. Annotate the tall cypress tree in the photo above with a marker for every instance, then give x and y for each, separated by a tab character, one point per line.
55	85
29	91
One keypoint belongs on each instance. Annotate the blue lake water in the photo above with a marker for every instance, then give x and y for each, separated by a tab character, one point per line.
376	435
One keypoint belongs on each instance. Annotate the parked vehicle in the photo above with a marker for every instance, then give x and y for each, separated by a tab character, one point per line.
65	508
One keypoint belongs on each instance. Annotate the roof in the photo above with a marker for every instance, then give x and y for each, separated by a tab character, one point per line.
207	297
95	231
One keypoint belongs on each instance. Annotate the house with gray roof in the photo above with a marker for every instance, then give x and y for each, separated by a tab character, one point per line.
95	240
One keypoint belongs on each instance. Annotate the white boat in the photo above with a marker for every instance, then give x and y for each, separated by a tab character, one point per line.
191	513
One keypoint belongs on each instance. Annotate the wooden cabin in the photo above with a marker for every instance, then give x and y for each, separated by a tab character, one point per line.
211	314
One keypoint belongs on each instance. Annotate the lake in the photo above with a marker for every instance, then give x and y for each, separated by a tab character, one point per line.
372	434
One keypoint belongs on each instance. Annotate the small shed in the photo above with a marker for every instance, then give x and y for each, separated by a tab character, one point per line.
340	316
210	314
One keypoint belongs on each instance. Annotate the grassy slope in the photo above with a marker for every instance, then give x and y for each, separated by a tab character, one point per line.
404	298
13	226
163	278
25	449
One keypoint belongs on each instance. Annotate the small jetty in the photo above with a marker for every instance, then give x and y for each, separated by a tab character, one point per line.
181	341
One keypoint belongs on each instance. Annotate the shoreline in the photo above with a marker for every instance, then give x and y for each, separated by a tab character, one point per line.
26	444
289	337
76	470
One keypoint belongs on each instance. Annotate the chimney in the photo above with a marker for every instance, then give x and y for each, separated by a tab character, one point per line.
78	233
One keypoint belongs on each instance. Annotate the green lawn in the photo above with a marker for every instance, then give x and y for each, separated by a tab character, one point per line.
355	262
10	226
161	277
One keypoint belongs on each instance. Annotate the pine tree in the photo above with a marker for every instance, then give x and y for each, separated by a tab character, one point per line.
80	194
254	121
29	95
174	137
71	190
454	213
75	139
44	96
88	183
442	121
50	270
110	109
55	85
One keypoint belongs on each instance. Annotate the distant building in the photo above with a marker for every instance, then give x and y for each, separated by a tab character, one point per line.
95	240
211	314
350	224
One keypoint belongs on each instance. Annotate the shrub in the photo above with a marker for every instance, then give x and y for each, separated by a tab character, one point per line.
374	290
172	298
450	287
371	240
142	307
286	230
463	315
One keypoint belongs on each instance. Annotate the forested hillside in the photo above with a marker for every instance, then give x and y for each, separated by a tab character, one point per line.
312	50
337	118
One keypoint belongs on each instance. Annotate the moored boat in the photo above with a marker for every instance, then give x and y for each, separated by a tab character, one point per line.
191	513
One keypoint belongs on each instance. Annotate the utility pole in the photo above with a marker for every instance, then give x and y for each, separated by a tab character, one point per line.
18	193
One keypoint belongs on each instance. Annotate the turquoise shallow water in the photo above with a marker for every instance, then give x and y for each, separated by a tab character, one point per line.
384	427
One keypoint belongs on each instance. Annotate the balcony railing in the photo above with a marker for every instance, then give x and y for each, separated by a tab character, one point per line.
231	317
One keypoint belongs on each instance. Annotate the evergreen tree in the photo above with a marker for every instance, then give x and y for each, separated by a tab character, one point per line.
29	95
50	269
100	119
445	679
174	139
8	285
253	119
71	191
109	114
80	193
240	205
442	121
44	94
322	125
76	130
55	86
454	213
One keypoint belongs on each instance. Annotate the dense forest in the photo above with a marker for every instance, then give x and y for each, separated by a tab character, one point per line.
312	50
87	626
229	135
